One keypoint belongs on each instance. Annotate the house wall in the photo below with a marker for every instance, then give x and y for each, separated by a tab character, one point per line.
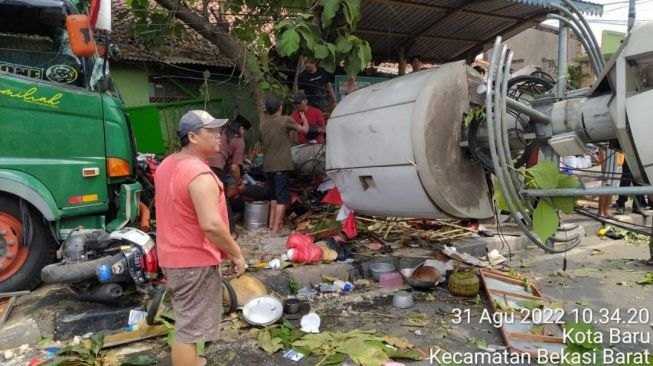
135	83
132	83
538	46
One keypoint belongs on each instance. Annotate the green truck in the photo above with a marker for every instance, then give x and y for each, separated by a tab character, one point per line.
67	156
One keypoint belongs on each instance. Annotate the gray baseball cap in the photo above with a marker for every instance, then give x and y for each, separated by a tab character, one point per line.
196	119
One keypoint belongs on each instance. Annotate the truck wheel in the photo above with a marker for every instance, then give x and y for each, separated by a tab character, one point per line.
21	263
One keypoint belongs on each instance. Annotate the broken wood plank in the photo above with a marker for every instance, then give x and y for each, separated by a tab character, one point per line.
142	333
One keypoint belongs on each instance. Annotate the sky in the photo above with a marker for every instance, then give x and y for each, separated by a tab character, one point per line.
615	15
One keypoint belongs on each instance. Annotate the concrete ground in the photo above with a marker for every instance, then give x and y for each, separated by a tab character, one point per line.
600	274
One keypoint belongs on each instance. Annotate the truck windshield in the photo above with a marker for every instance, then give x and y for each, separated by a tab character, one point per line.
41	57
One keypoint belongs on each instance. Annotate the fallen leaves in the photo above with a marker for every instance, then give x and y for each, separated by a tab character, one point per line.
365	348
267	343
416	320
647	280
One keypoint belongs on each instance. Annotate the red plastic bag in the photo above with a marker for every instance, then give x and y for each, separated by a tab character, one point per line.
332	197
296	240
307	254
349	226
303	248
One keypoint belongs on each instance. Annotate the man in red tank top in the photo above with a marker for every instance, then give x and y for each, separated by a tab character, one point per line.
193	235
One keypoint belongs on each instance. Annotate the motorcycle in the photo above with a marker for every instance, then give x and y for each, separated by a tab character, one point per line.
104	267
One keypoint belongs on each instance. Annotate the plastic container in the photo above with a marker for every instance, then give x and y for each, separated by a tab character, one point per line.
256	214
391	280
403	300
379	268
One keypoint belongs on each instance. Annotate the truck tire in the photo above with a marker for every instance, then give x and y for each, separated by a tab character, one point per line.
20	262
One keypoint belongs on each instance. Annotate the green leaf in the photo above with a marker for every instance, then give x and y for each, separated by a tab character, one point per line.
545	174
365	353
406	354
321	51
568	181
329	10
200	347
573	328
264	85
313	341
309	38
288	42
139	360
545	220
97	341
529	304
351	10
352	65
647	280
267	343
343	45
499	198
329	63
566	204
335	359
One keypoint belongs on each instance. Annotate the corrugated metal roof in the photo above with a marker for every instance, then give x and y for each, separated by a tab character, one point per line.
442	31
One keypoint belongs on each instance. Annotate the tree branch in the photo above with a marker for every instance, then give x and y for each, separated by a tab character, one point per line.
228	45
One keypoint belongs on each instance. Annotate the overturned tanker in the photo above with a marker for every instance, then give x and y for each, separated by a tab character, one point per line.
394	148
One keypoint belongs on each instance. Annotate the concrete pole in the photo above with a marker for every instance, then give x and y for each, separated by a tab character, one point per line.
402	61
561	84
631	14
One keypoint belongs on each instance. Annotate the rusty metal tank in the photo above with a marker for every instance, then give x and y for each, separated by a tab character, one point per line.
393	148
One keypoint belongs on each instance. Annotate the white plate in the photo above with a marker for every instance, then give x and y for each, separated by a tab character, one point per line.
264	310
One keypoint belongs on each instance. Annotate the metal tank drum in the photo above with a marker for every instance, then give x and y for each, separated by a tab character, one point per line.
393	148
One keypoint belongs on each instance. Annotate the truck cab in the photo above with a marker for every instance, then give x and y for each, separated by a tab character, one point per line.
67	157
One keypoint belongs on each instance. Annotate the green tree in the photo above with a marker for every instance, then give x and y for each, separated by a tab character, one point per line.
247	31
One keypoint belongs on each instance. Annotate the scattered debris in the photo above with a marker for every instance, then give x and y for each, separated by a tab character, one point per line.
310	323
7	301
293	355
464	283
263	310
451	252
510	296
495	258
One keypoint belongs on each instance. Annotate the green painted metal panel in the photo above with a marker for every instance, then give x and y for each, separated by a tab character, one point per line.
117	134
147	129
56	131
30	189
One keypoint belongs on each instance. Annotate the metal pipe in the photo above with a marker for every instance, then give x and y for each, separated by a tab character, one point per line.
586	25
503	73
504	138
600	191
585	31
561	83
495	67
594	62
534	114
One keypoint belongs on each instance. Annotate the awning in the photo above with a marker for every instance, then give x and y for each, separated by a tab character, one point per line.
447	30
